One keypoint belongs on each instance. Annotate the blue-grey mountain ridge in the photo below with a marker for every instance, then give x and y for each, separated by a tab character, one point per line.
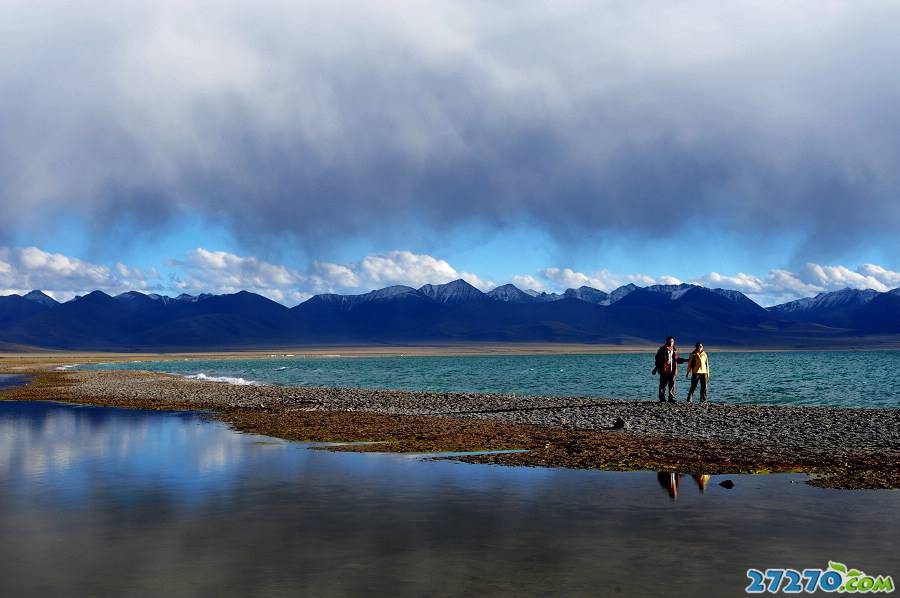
455	312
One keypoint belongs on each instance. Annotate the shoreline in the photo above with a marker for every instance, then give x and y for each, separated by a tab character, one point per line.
39	358
351	350
844	447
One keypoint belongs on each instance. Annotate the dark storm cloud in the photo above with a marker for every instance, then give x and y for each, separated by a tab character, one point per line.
314	121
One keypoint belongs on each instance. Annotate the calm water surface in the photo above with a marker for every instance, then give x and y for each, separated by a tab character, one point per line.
114	502
860	378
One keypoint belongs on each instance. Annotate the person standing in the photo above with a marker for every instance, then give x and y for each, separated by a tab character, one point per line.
667	361
698	371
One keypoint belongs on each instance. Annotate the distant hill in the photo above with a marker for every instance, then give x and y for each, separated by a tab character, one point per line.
880	315
866	310
837	308
137	321
14	308
451	312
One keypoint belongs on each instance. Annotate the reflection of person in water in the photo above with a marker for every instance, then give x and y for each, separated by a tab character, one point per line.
702	480
670	481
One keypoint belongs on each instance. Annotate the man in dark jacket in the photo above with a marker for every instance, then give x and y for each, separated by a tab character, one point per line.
667	361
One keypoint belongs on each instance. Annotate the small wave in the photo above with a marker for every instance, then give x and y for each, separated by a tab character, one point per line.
281	369
224	379
62	368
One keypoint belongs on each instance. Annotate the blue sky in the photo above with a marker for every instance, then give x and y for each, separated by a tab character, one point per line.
300	147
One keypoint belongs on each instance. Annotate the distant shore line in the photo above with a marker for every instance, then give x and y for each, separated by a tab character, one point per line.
39	355
844	447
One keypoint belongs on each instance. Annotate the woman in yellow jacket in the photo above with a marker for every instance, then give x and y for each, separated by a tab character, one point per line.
698	371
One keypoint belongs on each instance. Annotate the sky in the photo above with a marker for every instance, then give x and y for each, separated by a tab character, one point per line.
298	147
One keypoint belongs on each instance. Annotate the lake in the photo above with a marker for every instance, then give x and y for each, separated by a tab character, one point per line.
847	379
104	501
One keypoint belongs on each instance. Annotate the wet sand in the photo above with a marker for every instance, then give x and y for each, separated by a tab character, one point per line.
845	448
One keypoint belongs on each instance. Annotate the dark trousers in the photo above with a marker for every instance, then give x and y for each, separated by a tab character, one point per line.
702	379
666	381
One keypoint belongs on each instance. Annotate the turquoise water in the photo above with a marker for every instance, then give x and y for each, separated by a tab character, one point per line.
858	379
116	502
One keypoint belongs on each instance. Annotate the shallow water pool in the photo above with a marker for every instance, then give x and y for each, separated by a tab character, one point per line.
102	501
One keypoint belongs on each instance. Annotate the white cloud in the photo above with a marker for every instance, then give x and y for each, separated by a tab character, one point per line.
335	275
62	277
668	280
526	281
889	278
222	272
830	277
205	271
404	267
484	284
378	270
563	278
745	283
777	286
781	285
567	277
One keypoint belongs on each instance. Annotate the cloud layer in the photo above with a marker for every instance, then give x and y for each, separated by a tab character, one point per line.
564	278
316	120
205	271
782	285
61	276
776	286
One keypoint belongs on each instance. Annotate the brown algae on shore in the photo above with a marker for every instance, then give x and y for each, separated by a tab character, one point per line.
303	415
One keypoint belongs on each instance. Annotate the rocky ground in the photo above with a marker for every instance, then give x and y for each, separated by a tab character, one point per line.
856	447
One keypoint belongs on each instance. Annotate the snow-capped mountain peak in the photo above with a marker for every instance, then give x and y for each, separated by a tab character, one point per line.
510	293
456	291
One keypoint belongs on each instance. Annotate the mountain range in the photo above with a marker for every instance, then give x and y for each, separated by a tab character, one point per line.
451	312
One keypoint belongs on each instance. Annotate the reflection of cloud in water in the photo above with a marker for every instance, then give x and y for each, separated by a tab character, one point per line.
170	500
42	439
213	457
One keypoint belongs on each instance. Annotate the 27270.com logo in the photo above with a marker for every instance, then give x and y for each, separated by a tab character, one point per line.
836	578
